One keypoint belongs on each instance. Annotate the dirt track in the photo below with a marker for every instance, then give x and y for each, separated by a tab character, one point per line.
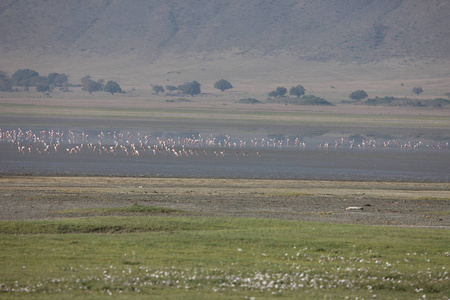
382	203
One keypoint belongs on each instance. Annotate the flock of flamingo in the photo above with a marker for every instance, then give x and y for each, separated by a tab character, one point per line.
116	143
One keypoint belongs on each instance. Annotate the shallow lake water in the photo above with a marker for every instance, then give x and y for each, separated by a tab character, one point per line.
114	153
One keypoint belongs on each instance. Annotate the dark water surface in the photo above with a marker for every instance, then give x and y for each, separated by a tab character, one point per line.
284	164
102	154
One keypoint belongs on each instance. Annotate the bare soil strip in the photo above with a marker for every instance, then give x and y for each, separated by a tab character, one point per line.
383	203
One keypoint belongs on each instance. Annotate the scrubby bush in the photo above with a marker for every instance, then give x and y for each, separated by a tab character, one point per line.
273	94
297	91
304	100
358	95
158	89
392	101
439	102
178	100
112	87
42	88
278	92
190	88
87	84
171	88
389	101
249	101
57	79
417	90
313	100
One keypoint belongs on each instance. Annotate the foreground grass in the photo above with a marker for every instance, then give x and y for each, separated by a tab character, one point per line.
191	258
133	209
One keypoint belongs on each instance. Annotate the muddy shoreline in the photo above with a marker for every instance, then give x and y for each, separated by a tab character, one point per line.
403	204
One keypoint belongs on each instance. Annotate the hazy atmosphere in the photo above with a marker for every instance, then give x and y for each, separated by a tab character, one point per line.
308	75
335	112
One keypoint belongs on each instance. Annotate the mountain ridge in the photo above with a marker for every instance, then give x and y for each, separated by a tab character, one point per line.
366	30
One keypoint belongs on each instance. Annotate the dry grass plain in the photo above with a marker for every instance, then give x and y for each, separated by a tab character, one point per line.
383	203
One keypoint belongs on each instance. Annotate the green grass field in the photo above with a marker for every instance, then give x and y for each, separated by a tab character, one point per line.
213	258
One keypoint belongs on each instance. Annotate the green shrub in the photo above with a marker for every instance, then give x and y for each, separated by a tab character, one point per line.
249	101
313	100
392	101
304	100
358	95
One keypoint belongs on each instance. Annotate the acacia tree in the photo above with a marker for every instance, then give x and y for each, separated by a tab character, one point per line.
281	91
112	87
278	92
417	90
297	91
223	85
190	88
57	79
358	95
87	84
25	77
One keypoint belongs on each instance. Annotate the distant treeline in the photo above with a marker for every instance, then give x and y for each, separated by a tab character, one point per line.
30	78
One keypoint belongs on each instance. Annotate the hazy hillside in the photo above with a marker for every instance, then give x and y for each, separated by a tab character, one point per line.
363	30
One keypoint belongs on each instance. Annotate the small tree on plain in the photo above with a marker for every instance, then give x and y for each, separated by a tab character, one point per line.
223	85
158	89
297	91
112	87
51	77
25	77
278	92
281	91
190	88
358	95
87	84
273	94
417	90
57	79
61	80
